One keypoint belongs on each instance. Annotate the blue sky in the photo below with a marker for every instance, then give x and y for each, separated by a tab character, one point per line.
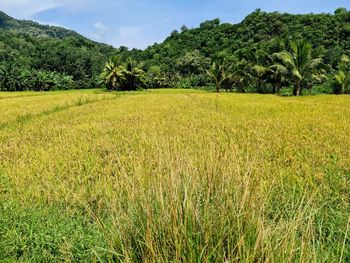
139	23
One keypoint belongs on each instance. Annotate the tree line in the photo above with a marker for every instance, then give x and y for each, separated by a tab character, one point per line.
294	65
265	53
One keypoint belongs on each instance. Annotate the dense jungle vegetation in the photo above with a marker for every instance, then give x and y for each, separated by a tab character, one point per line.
265	53
37	57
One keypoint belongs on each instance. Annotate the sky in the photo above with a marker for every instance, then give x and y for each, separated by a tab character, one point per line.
140	23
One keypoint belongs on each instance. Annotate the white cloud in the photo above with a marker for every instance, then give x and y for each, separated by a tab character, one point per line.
129	36
101	32
25	9
100	26
129	31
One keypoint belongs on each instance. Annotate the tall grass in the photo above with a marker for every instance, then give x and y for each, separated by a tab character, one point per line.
179	177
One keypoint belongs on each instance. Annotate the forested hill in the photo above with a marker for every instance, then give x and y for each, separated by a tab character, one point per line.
33	29
330	32
41	57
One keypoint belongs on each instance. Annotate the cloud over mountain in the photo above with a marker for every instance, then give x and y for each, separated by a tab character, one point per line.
25	9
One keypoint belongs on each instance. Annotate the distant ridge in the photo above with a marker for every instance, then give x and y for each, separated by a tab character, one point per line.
29	46
34	29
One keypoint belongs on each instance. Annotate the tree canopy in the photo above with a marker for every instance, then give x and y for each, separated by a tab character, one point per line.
264	53
26	46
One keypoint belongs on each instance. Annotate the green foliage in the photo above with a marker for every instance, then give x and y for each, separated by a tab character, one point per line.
123	76
26	46
341	11
341	82
156	79
254	42
300	62
218	74
265	53
211	38
21	79
37	234
33	29
192	63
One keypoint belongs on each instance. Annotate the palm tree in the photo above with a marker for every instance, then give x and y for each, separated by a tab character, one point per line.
126	76
342	77
132	75
259	61
241	74
230	72
277	75
113	75
314	79
260	73
217	73
342	80
299	62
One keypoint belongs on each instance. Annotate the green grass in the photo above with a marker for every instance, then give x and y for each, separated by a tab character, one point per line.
174	176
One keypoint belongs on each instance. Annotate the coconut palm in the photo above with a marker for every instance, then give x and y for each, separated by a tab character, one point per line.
229	73
342	77
122	76
218	75
259	61
300	62
260	73
277	75
113	75
133	75
241	74
342	80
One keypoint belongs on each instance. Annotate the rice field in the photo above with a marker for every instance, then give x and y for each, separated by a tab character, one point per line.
174	176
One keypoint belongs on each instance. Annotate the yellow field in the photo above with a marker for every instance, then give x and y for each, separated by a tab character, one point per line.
166	176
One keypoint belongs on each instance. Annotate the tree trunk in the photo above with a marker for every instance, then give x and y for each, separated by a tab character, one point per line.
274	87
258	84
279	84
342	89
310	88
217	87
277	87
296	90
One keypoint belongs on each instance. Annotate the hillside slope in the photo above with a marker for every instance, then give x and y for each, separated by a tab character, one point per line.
27	45
327	31
33	29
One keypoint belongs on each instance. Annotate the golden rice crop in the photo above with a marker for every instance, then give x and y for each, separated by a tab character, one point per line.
182	176
18	106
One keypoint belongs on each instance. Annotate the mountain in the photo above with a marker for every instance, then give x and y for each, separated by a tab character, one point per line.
27	45
33	29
